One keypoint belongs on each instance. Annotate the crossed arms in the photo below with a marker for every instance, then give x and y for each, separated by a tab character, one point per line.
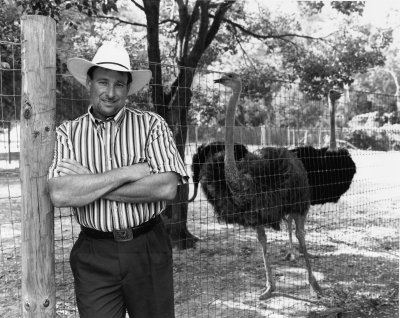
78	186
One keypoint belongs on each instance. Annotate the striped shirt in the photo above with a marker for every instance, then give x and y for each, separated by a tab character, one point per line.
130	137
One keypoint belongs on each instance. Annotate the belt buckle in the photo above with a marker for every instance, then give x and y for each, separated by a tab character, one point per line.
123	235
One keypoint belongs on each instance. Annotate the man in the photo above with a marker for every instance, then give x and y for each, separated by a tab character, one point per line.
117	167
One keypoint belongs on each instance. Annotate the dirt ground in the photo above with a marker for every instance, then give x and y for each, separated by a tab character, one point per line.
355	243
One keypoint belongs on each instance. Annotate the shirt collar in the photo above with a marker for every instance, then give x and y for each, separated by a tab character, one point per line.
117	118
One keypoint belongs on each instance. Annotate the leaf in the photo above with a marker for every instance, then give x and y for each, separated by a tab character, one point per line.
5	65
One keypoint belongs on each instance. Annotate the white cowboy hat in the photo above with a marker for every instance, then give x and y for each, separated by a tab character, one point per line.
111	57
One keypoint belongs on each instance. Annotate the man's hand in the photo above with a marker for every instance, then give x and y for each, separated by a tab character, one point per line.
70	167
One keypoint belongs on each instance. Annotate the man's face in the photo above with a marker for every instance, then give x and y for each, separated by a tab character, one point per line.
108	90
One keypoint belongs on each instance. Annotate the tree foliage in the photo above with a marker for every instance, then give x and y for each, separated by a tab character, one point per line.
335	63
344	7
56	8
196	34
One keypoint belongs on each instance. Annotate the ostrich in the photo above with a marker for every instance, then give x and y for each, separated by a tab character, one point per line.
330	170
260	191
213	151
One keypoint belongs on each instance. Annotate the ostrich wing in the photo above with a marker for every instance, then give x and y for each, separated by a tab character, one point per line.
212	153
276	186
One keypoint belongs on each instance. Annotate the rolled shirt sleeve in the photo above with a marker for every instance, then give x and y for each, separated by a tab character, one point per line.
62	149
162	153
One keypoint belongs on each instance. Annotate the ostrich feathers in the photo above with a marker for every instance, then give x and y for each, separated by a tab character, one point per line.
207	151
276	186
330	172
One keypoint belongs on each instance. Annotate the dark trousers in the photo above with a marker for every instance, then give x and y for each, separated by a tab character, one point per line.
114	277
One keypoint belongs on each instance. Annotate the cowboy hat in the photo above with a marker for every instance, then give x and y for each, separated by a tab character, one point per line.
111	57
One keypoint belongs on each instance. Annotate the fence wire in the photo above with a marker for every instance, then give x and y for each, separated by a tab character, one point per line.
10	189
352	243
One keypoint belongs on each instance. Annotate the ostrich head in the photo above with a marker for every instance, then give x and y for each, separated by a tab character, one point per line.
231	80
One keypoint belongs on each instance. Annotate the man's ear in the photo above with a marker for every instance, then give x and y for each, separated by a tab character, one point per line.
88	83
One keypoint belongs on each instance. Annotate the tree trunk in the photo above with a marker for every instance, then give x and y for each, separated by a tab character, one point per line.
168	106
175	216
173	106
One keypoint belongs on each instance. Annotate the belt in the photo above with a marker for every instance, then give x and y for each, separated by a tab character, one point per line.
123	235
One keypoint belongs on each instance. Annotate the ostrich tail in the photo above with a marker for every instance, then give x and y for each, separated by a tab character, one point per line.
196	187
330	172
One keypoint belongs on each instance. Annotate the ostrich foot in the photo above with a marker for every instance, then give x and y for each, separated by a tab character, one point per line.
301	252
267	292
294	254
312	256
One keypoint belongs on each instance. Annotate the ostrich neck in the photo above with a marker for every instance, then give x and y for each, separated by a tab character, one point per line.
232	174
332	111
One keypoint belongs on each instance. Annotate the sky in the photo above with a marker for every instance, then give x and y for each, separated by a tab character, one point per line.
382	13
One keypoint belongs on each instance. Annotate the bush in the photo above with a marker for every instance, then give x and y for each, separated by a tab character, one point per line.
372	139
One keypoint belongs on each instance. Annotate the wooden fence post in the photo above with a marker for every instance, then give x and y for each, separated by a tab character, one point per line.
9	141
263	135
38	58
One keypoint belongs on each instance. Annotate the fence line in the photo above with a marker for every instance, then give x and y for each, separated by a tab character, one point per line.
356	239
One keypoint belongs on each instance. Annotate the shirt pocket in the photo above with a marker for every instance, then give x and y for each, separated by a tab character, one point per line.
129	150
132	155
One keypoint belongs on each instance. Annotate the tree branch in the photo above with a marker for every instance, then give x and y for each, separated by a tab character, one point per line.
189	27
269	36
138	5
183	18
152	11
120	20
169	20
244	52
218	18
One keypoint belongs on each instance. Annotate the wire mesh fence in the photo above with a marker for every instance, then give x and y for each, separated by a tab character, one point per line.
10	192
352	243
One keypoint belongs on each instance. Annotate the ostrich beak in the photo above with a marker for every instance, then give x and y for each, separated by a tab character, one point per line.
219	80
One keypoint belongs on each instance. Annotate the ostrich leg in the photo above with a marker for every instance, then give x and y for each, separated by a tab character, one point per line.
292	254
300	234
270	281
